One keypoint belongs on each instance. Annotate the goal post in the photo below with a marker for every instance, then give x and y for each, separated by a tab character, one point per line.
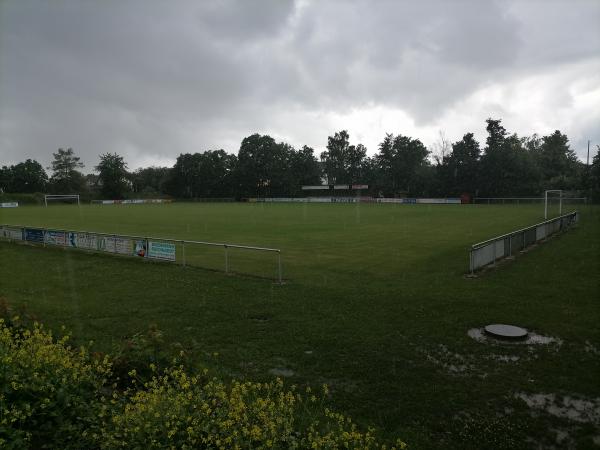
54	197
560	198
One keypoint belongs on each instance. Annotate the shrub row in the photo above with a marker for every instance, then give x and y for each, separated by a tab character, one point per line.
56	396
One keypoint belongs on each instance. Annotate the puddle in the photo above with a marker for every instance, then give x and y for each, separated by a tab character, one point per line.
505	358
567	407
281	372
590	348
453	363
479	335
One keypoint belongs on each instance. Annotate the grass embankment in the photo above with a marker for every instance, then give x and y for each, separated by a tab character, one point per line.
376	306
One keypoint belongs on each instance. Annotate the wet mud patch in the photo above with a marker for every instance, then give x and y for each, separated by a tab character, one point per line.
575	409
455	363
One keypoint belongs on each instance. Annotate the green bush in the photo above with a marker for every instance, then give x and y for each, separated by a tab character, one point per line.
55	396
23	199
50	392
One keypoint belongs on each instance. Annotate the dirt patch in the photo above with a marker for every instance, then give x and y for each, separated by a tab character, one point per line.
575	409
282	372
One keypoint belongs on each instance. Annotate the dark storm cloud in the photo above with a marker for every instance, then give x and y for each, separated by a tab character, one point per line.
150	79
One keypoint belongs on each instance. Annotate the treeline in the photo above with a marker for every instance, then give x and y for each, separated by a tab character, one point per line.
507	165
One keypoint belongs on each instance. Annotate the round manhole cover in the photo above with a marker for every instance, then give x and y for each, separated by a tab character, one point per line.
501	331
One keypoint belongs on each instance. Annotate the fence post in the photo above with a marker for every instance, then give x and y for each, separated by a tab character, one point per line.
279	265
471	261
226	259
183	252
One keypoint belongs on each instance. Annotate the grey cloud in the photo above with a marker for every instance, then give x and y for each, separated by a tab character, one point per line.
160	78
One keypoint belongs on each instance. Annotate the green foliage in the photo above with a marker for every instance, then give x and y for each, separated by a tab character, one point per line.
50	392
262	166
178	410
401	161
343	163
208	174
112	176
25	177
55	396
150	181
458	170
139	352
23	199
507	168
594	176
66	179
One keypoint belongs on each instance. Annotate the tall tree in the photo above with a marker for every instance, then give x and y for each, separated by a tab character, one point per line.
262	166
208	174
150	180
5	178
66	179
304	169
458	169
24	177
113	176
343	163
401	161
594	181
558	163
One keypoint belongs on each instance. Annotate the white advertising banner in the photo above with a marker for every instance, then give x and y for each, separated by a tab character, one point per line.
87	241
53	237
9	205
161	250
12	233
115	244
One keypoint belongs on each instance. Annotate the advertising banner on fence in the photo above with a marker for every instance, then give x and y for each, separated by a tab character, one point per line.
9	205
161	250
87	241
34	235
54	237
12	233
140	248
113	244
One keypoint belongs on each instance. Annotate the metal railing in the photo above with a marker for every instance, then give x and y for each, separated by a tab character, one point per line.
488	252
518	200
127	245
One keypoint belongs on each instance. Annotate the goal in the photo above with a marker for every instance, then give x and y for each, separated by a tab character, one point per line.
552	199
71	198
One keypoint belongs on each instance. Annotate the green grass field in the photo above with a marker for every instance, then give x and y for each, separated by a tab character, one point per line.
376	305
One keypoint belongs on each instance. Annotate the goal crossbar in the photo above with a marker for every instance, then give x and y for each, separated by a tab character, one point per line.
60	197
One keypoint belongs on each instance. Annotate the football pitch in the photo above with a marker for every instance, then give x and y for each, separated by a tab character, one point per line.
375	304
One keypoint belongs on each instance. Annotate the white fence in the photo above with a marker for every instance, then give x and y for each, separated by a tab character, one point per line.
135	201
519	200
360	199
184	252
488	252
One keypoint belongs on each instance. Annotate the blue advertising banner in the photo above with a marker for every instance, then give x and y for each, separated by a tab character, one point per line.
34	235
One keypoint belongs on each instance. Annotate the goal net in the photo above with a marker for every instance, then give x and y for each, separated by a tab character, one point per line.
553	203
69	199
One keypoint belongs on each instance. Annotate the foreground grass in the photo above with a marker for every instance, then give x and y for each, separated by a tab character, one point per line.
376	306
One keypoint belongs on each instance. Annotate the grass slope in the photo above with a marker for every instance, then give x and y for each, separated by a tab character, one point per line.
376	306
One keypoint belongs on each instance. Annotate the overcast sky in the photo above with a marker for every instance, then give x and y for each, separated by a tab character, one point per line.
152	79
